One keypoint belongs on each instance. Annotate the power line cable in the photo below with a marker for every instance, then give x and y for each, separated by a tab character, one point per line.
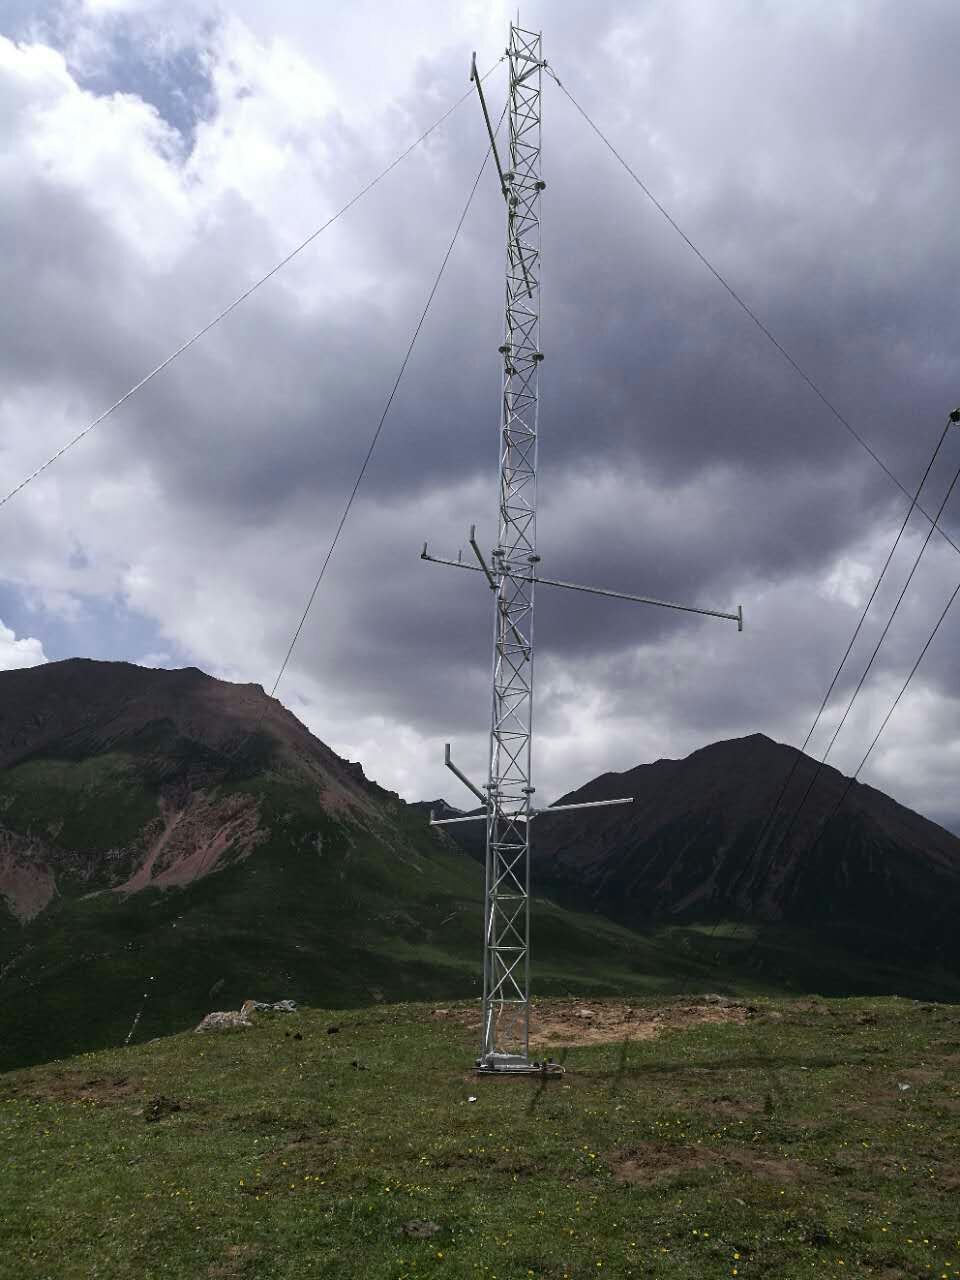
866	672
853	639
794	364
721	279
243	296
246	737
383	418
896	702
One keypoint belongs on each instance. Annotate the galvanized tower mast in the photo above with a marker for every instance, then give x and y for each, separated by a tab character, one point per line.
506	944
507	799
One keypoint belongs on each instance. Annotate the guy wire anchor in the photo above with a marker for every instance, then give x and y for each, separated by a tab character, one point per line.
511	573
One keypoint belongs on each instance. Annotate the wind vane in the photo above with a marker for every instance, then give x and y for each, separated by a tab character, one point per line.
511	573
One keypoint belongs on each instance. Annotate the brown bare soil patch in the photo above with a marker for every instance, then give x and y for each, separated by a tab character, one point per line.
194	840
919	1075
26	882
78	1086
767	1168
726	1104
556	1023
652	1162
239	1258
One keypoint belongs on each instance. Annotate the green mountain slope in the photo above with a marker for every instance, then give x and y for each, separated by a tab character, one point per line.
171	844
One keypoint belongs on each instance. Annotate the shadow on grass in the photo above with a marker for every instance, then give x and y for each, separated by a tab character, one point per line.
743	1062
544	1085
622	1068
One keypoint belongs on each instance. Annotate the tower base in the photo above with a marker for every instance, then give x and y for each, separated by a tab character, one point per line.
515	1064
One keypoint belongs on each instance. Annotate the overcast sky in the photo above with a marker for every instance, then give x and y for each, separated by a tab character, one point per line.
155	158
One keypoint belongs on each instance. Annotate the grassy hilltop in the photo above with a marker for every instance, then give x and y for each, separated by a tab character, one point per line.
782	1139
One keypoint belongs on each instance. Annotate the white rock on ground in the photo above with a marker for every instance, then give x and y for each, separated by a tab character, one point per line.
221	1021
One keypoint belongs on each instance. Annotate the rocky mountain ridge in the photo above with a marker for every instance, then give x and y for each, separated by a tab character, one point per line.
167	839
152	762
698	844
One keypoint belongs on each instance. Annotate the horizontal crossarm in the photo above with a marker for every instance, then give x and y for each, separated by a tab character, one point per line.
534	813
596	591
587	804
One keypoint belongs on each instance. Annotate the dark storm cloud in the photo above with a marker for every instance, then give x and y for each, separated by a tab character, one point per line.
812	157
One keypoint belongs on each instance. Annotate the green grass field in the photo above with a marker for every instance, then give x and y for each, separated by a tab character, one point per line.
813	1138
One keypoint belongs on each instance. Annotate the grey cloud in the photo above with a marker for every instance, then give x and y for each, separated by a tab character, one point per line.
812	165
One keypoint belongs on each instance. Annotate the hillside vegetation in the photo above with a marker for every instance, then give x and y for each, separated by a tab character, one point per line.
171	843
701	1140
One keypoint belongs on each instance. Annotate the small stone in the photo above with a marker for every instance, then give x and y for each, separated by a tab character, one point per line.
224	1020
420	1229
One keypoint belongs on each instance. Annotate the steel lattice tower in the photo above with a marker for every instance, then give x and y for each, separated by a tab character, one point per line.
506	957
507	800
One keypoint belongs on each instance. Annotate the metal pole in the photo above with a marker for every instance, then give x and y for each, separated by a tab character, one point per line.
506	994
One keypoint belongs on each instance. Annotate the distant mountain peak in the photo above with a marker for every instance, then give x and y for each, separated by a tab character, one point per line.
707	839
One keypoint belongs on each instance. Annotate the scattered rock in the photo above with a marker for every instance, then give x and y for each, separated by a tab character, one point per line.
585	1014
819	1236
867	1019
420	1229
223	1021
281	1006
159	1108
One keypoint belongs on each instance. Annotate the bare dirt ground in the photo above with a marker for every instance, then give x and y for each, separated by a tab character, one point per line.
556	1023
78	1086
653	1162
